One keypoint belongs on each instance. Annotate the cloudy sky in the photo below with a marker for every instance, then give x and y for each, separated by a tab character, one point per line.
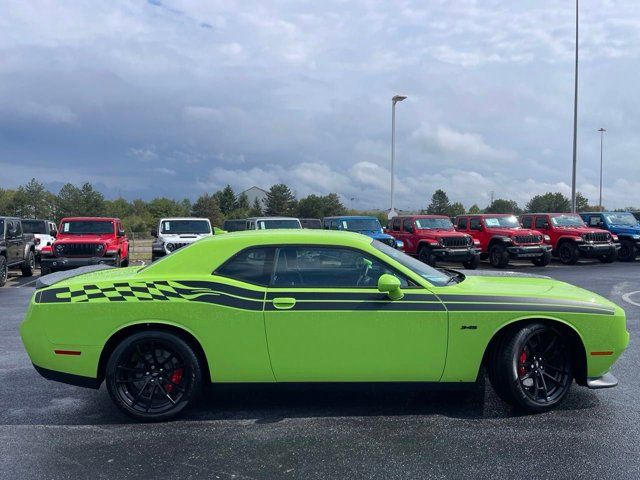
179	97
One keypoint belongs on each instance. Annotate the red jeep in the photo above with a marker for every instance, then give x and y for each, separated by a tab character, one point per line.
570	237
432	238
502	238
86	241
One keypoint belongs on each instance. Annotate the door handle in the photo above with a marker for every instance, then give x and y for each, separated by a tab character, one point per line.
284	303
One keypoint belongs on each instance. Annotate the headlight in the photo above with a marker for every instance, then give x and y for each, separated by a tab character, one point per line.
170	247
547	238
614	238
636	237
100	248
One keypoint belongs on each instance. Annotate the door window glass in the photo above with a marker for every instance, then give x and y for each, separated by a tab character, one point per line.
253	265
541	222
462	223
474	223
526	222
330	267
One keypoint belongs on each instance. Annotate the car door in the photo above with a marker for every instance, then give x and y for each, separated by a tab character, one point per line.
407	235
326	320
13	242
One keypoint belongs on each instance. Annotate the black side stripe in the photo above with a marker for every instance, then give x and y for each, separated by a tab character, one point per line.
504	299
484	307
221	287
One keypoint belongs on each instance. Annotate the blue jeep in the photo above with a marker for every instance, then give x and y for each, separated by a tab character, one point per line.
369	226
624	225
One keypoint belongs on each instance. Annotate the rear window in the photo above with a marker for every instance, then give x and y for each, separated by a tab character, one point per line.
253	265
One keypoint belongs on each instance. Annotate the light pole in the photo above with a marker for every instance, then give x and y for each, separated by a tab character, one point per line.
394	100
601	130
575	124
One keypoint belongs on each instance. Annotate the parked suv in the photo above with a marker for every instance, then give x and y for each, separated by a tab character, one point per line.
268	223
432	238
571	239
502	238
174	233
17	249
44	232
86	241
234	225
365	225
624	225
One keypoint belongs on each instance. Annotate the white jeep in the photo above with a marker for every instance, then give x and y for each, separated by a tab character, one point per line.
175	233
44	232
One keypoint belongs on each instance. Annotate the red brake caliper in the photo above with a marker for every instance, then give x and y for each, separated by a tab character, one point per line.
522	359
175	377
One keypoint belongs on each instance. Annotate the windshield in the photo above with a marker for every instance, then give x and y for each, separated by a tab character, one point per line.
273	224
430	274
502	222
434	223
234	225
33	226
87	227
185	226
567	221
360	224
622	218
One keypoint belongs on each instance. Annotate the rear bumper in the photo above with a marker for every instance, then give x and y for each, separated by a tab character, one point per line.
596	250
605	381
455	254
69	378
533	251
64	263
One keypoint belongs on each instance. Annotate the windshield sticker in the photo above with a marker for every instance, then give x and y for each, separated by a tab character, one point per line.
167	226
344	224
492	222
65	227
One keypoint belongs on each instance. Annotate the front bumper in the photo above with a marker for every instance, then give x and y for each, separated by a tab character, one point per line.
598	249
532	251
605	381
65	263
455	254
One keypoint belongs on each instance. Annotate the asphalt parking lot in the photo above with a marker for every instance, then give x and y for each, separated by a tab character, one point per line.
51	430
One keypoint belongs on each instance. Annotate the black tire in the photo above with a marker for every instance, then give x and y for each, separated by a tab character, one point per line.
498	256
628	250
568	253
472	263
4	270
542	261
136	375
125	262
29	265
425	256
531	368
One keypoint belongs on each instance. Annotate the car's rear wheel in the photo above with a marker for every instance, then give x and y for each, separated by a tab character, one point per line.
472	263
628	251
498	256
568	253
543	260
29	265
426	256
531	368
153	375
4	270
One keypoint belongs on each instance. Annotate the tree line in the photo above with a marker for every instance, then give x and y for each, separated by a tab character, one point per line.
33	200
547	202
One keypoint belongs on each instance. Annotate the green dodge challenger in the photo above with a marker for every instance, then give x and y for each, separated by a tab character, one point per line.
314	306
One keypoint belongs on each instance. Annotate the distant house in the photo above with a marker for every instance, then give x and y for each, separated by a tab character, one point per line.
255	192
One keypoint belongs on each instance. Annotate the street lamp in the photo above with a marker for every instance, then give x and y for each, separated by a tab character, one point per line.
601	130
394	100
575	123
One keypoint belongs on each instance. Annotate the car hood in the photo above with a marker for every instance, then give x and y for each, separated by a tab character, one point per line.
483	282
577	231
84	238
627	230
511	232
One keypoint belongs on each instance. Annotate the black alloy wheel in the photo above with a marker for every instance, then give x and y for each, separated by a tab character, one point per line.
153	375
29	265
425	256
568	253
498	256
628	251
472	263
4	270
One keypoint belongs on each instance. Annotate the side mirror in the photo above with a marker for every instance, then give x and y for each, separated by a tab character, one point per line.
121	233
391	286
154	233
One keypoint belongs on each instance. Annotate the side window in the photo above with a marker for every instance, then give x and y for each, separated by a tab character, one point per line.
11	229
396	224
407	225
541	222
328	267
253	265
475	223
18	225
526	222
462	223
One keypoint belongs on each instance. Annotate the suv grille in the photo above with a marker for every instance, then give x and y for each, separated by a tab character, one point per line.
528	238
79	250
455	241
597	237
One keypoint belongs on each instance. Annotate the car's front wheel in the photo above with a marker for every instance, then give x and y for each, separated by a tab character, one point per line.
4	270
569	253
29	265
542	261
498	256
531	368
153	375
472	263
628	250
426	256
